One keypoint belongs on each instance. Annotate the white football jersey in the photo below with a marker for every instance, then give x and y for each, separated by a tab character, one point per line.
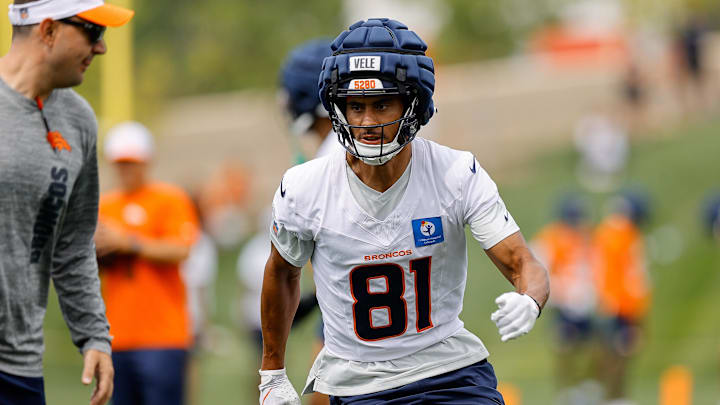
390	288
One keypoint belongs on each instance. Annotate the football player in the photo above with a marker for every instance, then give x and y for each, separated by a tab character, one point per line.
299	94
383	223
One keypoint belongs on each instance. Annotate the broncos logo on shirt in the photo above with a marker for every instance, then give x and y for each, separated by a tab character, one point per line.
57	142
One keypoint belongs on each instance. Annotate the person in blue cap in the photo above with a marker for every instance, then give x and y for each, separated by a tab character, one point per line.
299	96
383	223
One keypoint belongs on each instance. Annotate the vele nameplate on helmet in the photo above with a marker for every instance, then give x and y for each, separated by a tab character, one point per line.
358	63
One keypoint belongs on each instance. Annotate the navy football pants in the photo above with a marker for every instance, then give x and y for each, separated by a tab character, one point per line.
16	390
149	377
472	385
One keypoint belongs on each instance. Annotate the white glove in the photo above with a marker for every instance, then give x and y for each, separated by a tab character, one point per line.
515	316
275	389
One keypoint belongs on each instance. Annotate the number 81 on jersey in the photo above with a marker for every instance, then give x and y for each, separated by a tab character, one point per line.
392	299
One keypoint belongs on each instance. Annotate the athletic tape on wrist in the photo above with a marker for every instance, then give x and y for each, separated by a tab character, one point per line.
280	371
536	303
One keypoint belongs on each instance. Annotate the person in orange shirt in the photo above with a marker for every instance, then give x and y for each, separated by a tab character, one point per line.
564	247
145	230
623	287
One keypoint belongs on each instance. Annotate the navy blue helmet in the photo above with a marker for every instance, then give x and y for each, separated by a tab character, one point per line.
635	204
378	57
572	209
299	83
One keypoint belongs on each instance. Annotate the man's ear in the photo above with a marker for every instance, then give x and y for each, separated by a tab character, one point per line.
47	30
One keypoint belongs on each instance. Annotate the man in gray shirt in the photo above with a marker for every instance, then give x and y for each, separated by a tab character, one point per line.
49	203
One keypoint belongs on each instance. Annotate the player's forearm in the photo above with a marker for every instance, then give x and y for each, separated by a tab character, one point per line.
279	301
534	281
517	263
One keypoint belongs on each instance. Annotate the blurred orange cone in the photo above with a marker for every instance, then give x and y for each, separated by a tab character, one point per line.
676	386
511	393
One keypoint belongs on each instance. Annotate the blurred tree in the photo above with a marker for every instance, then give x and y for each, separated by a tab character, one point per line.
475	30
489	29
185	47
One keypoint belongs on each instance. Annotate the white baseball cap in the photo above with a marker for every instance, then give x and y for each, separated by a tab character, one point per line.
129	142
95	11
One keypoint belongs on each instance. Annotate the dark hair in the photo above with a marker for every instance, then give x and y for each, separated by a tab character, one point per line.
19	31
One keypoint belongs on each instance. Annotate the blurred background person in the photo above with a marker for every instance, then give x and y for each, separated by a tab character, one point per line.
711	216
635	96
564	247
250	269
145	230
199	272
222	199
604	149
691	65
623	289
298	95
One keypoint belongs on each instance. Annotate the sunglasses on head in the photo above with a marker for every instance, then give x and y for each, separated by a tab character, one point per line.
94	32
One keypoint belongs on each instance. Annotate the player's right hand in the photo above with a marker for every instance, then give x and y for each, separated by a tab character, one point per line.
276	389
516	315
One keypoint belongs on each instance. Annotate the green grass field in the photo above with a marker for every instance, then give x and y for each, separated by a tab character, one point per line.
678	168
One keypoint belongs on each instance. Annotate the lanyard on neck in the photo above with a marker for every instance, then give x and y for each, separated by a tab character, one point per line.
54	138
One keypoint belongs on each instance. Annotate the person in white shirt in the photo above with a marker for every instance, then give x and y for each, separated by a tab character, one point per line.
383	224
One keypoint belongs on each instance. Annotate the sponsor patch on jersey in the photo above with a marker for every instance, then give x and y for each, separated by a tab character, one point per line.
365	84
427	231
360	63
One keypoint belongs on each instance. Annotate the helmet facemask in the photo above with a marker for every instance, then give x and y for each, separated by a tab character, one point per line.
379	154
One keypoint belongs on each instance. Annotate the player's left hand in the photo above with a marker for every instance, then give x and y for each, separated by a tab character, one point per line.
515	316
98	364
276	389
